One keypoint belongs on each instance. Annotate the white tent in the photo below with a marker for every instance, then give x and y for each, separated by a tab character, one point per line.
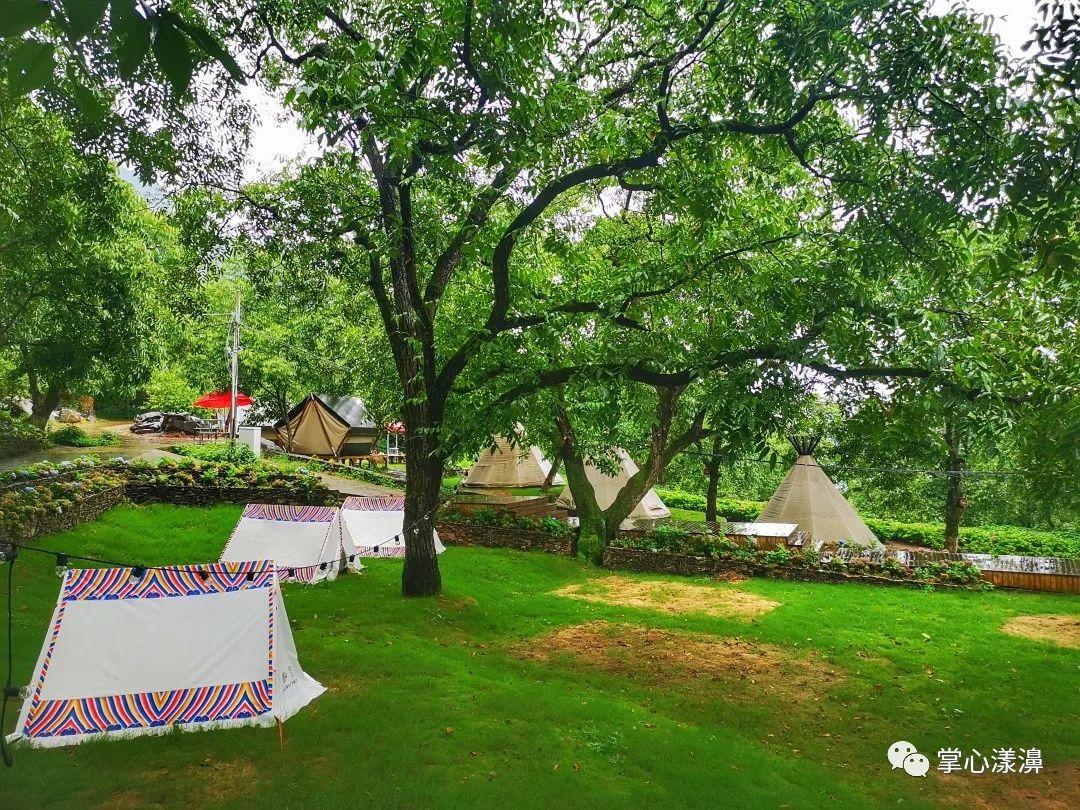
607	487
375	526
808	498
132	652
305	542
508	466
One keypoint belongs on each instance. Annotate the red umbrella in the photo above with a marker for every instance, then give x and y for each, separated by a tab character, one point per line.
219	400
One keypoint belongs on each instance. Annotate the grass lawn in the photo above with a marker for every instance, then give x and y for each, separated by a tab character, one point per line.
459	701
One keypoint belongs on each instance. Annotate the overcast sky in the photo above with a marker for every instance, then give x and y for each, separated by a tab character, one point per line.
276	140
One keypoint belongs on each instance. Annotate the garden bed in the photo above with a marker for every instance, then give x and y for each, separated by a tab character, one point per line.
493	527
470	534
208	495
48	498
666	562
85	510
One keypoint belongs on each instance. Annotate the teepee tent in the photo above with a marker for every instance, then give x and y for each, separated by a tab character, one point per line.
305	542
374	526
808	497
608	487
133	651
507	466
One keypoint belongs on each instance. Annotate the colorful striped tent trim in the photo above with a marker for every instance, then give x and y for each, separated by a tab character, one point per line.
298	514
305	542
206	704
375	503
191	647
121	583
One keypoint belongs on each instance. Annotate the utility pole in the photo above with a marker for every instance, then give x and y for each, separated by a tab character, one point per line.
234	354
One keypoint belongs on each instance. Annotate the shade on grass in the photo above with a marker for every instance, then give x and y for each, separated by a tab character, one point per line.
431	703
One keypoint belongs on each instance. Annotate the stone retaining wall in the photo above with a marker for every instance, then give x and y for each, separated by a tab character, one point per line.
471	534
633	559
208	496
88	509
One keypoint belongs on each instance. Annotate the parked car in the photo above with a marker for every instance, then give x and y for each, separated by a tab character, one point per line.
183	423
149	422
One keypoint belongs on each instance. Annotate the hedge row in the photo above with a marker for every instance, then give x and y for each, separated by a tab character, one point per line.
693	549
973	539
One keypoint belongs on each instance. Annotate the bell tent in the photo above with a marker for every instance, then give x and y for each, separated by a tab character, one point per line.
506	466
305	542
607	488
328	427
132	651
374	526
808	498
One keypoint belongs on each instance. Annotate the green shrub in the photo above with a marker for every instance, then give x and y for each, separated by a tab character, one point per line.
18	435
234	452
729	508
501	518
75	436
958	573
981	539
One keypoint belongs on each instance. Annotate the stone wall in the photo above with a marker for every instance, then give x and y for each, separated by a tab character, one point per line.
471	534
632	559
91	508
208	496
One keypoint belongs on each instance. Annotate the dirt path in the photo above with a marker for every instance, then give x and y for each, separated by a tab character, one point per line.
349	486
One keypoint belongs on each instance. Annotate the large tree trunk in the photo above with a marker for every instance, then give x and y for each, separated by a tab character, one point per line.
593	532
420	576
549	479
955	500
712	470
43	403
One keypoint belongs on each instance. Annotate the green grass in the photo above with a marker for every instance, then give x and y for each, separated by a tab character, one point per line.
430	704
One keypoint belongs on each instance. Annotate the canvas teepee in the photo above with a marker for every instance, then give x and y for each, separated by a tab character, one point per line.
808	498
132	652
607	488
506	466
306	542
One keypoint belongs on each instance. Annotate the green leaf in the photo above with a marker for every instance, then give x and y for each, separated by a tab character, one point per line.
91	105
209	45
19	16
30	66
83	16
173	55
132	33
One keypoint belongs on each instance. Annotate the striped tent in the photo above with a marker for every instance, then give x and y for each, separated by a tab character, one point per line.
305	542
375	526
132	652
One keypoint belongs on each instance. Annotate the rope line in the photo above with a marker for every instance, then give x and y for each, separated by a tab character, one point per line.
9	690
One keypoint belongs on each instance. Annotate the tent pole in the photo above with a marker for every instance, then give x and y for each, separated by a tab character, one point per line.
234	352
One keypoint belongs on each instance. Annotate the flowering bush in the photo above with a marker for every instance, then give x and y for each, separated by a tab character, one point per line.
22	507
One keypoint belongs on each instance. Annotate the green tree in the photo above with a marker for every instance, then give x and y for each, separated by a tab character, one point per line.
75	262
457	132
